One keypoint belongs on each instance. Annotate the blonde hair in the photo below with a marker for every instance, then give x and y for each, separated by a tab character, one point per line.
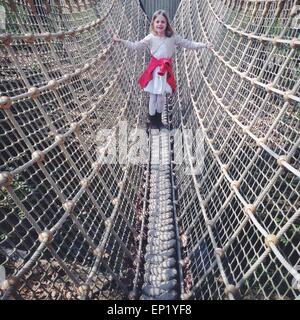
169	30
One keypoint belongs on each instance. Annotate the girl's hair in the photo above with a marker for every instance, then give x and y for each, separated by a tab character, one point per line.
169	30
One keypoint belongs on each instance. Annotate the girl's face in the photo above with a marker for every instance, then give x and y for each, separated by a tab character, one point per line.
160	24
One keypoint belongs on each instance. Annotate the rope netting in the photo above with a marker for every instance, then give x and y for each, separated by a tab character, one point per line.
73	212
69	220
239	214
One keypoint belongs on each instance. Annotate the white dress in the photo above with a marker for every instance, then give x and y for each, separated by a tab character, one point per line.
161	47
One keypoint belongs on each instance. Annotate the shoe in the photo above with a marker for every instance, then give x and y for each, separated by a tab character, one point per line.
160	125
153	122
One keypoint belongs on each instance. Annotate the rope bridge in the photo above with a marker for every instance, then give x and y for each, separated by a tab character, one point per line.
209	211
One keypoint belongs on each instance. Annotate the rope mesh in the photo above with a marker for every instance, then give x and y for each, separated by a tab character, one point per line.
61	81
71	224
239	215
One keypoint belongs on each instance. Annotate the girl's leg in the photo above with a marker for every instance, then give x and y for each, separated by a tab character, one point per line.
152	104
161	101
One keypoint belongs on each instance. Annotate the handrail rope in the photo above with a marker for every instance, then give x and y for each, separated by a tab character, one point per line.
30	38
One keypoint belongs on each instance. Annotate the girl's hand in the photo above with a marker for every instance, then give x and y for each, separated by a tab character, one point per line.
209	45
115	38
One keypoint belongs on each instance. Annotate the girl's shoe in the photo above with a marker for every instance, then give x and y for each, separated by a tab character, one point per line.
160	125
153	122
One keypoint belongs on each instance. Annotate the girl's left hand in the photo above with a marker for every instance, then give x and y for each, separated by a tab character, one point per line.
209	45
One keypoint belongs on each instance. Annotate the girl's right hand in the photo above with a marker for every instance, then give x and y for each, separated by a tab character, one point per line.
115	38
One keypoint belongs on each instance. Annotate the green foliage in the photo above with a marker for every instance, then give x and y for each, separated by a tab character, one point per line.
3	237
298	108
291	234
21	190
7	204
276	27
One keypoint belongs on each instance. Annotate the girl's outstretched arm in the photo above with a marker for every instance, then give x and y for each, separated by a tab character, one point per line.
181	42
137	45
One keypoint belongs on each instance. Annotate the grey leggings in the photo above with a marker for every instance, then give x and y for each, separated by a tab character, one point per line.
156	103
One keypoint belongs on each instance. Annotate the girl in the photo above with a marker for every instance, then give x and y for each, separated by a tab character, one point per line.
158	79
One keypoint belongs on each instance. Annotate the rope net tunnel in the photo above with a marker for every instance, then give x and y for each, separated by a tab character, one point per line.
222	181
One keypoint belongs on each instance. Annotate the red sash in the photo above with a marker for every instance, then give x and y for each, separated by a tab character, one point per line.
165	66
